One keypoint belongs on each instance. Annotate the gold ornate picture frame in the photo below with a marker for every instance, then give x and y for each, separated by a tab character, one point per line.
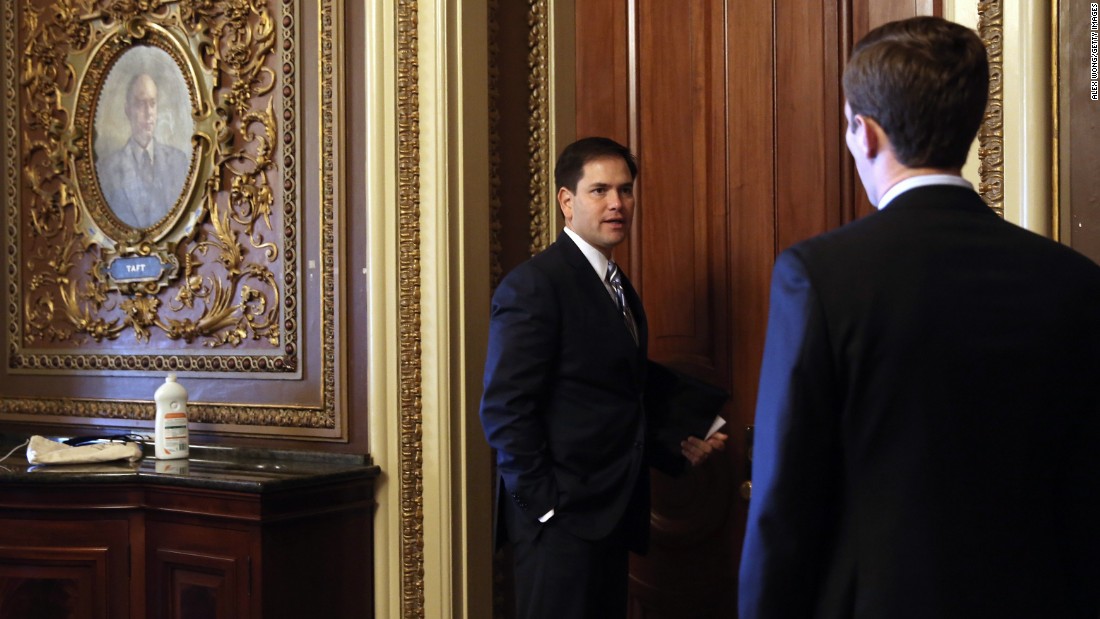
178	243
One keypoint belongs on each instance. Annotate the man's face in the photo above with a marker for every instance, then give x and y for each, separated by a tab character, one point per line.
603	208
141	109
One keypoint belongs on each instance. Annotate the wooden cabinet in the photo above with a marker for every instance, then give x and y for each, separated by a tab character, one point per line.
64	569
196	572
220	542
66	552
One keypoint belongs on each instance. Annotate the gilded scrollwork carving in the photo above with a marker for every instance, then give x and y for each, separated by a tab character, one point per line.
208	269
235	240
991	134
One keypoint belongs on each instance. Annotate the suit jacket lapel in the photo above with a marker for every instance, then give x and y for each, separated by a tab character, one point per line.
640	323
590	283
593	288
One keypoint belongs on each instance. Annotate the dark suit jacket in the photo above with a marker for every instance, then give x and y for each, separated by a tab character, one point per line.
134	201
927	436
562	404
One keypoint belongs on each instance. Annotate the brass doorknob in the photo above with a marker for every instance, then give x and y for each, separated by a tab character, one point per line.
746	489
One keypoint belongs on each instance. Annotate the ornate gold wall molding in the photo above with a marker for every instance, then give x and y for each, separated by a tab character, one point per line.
411	474
236	232
991	135
109	260
330	214
539	125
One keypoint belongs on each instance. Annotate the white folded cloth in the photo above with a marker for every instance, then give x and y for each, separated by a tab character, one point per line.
42	450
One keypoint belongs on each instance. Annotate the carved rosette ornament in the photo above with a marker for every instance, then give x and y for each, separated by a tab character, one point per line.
117	257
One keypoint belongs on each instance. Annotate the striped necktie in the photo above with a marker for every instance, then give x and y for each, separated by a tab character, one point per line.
146	167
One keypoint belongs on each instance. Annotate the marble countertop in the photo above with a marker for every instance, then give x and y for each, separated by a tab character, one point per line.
211	467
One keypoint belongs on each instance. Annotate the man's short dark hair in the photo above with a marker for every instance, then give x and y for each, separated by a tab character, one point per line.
571	161
925	81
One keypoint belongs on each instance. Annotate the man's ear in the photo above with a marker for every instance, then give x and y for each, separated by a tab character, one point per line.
870	136
565	201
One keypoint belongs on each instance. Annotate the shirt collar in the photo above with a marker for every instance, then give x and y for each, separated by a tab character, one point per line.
136	149
923	180
595	257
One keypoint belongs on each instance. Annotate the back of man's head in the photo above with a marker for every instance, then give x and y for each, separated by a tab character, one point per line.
925	81
570	166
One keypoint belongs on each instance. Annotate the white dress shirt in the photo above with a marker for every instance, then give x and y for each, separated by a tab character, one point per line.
923	180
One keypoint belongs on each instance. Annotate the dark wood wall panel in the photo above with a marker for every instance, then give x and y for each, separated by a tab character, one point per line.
806	95
868	14
1078	154
679	256
751	178
681	189
602	101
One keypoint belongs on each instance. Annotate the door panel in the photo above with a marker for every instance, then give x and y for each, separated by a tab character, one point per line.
735	111
681	142
807	131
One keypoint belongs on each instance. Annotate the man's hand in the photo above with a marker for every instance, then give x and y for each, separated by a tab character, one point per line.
696	450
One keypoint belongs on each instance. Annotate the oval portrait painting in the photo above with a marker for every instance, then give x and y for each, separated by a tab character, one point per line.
143	128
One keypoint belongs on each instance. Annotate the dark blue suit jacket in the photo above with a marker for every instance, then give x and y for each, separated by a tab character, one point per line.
562	404
927	437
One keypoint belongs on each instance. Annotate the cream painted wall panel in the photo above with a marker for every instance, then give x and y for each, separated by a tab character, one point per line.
455	296
382	313
1027	111
965	12
880	13
1028	194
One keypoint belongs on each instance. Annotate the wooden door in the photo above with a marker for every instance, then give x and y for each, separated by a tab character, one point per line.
735	112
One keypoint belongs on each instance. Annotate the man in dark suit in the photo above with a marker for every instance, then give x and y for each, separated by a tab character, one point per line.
927	437
563	400
142	180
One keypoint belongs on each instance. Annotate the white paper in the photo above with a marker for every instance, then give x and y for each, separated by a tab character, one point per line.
715	426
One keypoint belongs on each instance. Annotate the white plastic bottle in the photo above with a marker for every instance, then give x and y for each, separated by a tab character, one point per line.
171	438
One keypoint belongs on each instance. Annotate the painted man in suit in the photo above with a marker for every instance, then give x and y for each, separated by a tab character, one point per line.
562	404
142	180
927	435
